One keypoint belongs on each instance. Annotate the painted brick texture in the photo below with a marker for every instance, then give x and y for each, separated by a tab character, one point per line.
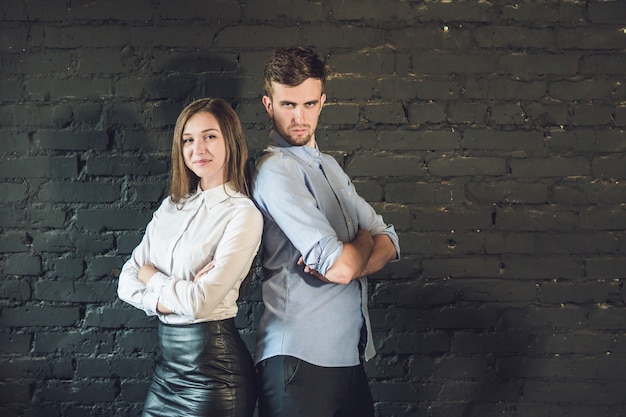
491	134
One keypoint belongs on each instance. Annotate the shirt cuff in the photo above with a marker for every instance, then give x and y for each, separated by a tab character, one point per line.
152	295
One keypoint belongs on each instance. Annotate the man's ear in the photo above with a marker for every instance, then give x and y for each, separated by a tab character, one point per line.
267	103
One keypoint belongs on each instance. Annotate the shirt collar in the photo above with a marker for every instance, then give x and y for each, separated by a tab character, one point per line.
214	195
306	153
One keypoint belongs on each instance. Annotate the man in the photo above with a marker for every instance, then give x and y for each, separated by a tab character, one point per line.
320	240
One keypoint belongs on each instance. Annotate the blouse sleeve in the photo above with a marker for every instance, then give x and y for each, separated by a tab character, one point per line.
232	261
129	288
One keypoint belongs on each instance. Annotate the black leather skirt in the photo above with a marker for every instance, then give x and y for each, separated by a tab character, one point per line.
201	370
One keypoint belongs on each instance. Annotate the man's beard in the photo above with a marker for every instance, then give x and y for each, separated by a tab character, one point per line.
294	140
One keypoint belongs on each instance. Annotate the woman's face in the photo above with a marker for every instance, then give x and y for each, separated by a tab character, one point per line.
204	150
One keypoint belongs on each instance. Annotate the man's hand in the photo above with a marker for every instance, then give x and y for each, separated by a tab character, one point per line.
312	271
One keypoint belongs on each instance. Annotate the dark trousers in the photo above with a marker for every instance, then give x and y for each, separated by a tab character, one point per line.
290	387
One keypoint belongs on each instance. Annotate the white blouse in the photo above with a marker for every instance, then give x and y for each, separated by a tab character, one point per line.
219	225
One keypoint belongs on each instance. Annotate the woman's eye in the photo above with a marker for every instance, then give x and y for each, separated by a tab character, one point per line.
187	140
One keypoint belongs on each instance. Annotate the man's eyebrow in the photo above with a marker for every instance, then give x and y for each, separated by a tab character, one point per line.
306	102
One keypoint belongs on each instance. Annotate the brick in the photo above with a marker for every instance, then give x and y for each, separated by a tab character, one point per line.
532	219
119	165
43	368
614	63
73	342
39	316
134	341
385	113
345	141
462	368
13	192
504	89
490	139
41	89
106	367
444	37
461	166
461	267
340	113
586	89
605	268
606	12
331	36
15	289
15	343
222	11
409	140
550	167
508	192
15	391
571	12
514	37
446	62
47	62
600	394
39	167
81	391
546	113
59	192
466	318
56	116
597	38
367	61
609	168
133	391
541	267
371	9
77	292
255	37
426	113
344	88
383	165
408	89
603	192
509	242
467	113
108	318
424	193
603	219
114	9
22	264
579	293
11	88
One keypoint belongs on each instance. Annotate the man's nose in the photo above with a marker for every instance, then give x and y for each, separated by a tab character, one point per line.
298	114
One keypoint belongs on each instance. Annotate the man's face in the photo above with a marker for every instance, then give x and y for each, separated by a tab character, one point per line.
296	110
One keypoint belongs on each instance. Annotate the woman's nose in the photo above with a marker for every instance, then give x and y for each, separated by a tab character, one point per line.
199	146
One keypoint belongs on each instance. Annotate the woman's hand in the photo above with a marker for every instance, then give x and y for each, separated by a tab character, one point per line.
206	268
146	273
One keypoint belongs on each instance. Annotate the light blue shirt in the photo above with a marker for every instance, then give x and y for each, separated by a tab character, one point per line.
310	207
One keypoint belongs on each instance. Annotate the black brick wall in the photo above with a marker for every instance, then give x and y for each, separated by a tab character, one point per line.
490	133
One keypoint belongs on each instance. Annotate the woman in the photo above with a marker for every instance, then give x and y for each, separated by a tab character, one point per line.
187	270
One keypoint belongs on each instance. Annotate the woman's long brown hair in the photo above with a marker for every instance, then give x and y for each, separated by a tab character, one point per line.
184	182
